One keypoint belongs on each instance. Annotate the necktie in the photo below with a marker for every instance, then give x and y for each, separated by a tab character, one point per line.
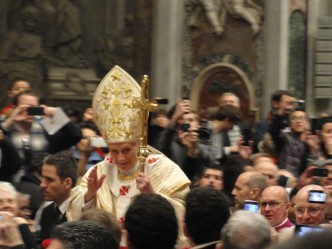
57	216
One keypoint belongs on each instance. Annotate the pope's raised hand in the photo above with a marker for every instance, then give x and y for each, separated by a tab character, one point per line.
94	183
143	183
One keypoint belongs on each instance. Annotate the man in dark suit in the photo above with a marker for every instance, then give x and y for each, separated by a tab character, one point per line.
58	178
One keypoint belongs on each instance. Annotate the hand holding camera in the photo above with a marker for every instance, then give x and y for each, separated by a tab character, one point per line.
10	235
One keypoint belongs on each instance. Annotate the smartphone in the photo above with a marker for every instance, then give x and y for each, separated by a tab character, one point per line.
321	172
98	142
162	101
185	127
247	136
301	230
251	206
317	196
35	111
314	123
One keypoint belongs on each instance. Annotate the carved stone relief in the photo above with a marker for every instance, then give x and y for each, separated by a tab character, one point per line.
237	47
64	47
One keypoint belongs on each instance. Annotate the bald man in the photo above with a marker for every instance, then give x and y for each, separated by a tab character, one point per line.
307	213
274	205
269	170
248	186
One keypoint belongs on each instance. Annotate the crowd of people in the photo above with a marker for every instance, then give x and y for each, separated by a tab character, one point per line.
77	181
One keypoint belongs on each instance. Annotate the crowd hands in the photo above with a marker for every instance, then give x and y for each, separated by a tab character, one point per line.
275	169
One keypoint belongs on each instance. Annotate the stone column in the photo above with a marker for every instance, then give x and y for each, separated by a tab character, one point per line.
276	51
167	49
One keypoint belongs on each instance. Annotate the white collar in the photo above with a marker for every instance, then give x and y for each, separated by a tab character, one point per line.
63	206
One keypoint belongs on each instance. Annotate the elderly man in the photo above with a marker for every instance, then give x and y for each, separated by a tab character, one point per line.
269	170
308	213
9	206
245	230
112	184
274	205
248	186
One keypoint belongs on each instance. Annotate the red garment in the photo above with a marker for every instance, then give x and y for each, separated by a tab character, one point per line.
5	111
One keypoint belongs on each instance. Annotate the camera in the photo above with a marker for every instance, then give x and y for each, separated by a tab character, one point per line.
162	101
185	127
204	133
299	103
35	111
321	172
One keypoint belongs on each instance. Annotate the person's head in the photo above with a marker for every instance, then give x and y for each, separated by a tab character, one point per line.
58	177
150	222
260	157
298	121
225	118
326	181
190	118
269	170
282	99
248	186
234	166
16	86
124	155
321	240
325	129
229	98
160	118
211	176
207	211
104	217
28	98
8	198
307	213
82	234
23	202
89	130
274	204
74	115
246	230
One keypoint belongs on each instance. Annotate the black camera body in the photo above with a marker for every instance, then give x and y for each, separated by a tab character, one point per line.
203	132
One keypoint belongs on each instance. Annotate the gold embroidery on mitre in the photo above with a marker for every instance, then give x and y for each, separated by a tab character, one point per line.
114	104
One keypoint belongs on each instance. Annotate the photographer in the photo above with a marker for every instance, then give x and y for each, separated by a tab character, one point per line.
291	146
180	140
10	233
222	121
25	130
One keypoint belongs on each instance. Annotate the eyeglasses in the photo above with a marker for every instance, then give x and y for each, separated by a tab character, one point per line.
272	204
298	118
310	210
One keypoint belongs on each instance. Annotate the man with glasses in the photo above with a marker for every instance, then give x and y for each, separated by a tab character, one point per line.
291	150
274	205
307	213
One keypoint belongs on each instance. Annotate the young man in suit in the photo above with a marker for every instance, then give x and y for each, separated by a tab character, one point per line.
58	178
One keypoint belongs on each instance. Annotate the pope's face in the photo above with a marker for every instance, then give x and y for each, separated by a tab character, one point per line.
124	155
